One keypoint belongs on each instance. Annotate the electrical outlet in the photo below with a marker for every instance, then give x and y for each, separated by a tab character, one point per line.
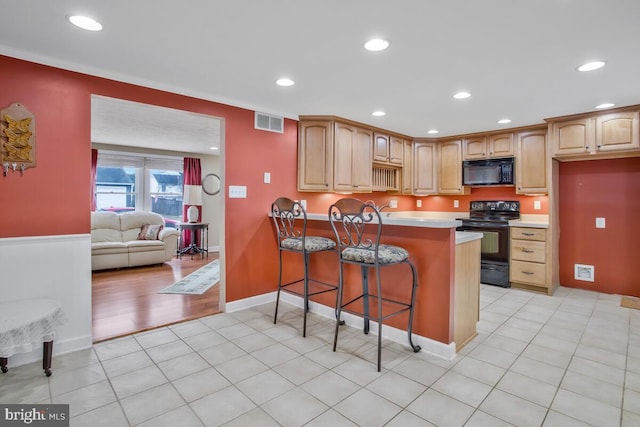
393	203
267	178
536	204
237	191
600	223
456	203
418	203
303	203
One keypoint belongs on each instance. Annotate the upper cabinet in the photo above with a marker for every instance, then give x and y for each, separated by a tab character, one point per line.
597	136
352	158
388	149
424	168
315	156
450	168
531	162
407	167
486	147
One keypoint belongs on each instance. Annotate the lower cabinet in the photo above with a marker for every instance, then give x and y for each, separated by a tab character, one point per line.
530	266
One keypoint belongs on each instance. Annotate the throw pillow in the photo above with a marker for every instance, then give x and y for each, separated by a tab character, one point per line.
149	232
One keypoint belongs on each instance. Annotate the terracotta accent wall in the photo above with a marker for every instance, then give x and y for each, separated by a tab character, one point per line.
53	198
609	189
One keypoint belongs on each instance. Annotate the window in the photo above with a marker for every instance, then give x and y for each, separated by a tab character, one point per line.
127	182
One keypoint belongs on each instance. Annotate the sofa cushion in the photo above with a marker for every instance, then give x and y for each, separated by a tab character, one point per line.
104	248
150	232
145	245
105	227
132	222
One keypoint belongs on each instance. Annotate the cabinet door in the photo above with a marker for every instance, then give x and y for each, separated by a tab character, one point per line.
573	137
424	168
362	168
380	148
407	168
475	148
531	162
396	151
315	156
450	168
345	137
501	145
617	131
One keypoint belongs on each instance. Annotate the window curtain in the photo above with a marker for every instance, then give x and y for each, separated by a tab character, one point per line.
94	171
192	176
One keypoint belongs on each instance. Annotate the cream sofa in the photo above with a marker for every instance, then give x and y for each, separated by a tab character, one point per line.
115	242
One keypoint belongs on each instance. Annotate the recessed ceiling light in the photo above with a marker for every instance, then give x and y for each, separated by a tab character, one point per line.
213	148
605	105
504	121
590	66
85	22
462	95
285	82
433	131
376	45
378	113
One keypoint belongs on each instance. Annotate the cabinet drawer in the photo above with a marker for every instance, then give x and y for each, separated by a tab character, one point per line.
528	233
526	250
528	272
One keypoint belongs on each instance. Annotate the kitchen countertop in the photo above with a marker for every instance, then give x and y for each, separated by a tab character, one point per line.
408	218
531	220
467	236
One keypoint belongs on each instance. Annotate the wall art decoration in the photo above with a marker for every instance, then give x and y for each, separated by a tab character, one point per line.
17	139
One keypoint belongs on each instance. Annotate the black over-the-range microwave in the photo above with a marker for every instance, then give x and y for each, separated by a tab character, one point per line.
489	172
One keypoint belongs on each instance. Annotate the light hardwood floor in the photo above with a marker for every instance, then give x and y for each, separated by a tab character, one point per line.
126	301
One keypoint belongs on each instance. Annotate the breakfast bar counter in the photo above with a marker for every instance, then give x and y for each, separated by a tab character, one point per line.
448	266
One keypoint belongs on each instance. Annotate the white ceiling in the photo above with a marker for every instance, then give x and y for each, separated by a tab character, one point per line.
518	58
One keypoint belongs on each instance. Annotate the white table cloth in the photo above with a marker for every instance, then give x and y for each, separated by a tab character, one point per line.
26	324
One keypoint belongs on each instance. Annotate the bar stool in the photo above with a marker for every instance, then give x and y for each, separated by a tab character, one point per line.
358	227
290	221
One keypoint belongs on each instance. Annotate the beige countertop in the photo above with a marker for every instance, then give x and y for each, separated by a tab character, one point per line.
407	218
531	220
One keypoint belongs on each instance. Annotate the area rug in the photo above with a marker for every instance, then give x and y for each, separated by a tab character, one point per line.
197	282
630	302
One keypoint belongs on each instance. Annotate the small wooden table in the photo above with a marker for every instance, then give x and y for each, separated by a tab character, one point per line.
193	247
25	324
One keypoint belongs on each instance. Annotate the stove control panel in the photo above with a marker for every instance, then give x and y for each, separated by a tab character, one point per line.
495	206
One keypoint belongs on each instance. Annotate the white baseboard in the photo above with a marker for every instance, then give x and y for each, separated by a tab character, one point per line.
445	351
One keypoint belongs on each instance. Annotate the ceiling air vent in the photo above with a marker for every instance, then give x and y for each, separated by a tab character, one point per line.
268	122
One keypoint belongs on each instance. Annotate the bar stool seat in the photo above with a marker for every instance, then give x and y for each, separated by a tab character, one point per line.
290	220
357	227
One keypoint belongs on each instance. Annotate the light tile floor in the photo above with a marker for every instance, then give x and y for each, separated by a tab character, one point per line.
572	359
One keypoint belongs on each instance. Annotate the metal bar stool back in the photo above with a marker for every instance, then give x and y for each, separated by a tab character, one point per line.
290	220
357	227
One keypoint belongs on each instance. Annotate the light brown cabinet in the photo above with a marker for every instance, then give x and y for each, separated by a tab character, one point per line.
352	158
531	162
600	136
388	149
407	167
530	261
487	147
424	168
450	168
315	156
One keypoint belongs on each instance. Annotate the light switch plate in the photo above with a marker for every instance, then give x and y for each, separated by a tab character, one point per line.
418	203
237	191
456	203
267	178
393	203
600	223
536	204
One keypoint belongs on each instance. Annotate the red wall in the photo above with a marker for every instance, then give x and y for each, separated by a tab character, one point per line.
609	189
53	198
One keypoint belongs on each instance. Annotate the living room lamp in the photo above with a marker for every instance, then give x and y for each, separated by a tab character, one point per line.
192	197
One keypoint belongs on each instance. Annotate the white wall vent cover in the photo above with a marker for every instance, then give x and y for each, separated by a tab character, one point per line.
269	122
584	272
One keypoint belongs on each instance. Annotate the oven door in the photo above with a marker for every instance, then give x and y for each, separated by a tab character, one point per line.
495	239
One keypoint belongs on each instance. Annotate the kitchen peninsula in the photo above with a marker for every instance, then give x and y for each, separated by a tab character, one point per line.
448	266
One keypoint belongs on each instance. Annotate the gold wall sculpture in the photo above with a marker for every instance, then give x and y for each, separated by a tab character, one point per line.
17	138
